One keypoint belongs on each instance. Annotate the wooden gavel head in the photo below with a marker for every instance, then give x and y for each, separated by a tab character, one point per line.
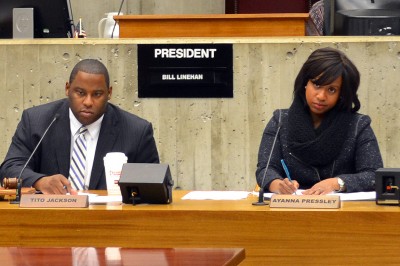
10	182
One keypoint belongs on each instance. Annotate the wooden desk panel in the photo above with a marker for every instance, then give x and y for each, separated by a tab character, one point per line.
358	232
19	256
220	25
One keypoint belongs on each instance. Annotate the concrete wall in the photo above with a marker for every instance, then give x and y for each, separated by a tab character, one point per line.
91	11
209	143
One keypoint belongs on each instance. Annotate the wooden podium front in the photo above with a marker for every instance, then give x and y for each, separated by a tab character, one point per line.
82	256
218	25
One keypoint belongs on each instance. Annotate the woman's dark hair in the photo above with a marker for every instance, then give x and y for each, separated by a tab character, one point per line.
91	66
324	66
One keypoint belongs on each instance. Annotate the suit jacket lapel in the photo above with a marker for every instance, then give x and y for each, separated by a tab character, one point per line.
107	138
62	140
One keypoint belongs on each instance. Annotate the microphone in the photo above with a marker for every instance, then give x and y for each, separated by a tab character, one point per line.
71	20
19	178
260	201
115	24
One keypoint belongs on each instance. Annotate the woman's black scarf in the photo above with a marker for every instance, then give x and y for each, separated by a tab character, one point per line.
318	146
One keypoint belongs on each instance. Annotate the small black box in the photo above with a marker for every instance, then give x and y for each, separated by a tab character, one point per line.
387	183
146	183
367	22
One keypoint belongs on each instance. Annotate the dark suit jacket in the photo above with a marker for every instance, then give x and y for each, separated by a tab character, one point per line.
120	132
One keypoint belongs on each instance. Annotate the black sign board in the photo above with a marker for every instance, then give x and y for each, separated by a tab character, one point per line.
185	70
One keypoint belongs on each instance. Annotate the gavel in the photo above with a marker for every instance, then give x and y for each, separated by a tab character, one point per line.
9	188
10	182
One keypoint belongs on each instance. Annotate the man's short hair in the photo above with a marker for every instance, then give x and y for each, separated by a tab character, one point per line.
91	66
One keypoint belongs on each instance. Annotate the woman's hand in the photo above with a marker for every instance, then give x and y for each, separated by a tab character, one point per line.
323	187
283	186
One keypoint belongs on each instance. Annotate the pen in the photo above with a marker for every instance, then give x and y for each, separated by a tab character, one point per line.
286	170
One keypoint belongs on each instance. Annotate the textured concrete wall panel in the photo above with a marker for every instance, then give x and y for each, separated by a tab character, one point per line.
209	143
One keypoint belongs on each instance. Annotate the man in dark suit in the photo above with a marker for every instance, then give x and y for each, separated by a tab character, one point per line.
109	129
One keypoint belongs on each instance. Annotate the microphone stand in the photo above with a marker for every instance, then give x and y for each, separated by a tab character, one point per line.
261	201
18	192
115	24
19	178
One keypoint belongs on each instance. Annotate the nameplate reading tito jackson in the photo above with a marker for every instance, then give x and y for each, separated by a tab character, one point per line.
305	201
54	201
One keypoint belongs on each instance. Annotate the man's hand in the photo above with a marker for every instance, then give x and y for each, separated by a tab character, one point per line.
55	184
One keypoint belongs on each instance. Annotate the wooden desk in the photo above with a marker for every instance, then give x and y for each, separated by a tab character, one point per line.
220	25
357	233
18	256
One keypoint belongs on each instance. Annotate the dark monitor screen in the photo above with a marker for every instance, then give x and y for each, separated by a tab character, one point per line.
366	4
366	17
52	18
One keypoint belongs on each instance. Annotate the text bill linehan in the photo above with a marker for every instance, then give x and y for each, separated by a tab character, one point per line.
182	77
184	53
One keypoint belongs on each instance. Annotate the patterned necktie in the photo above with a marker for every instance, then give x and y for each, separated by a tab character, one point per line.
78	161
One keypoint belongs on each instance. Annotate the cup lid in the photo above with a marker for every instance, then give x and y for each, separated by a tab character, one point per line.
115	155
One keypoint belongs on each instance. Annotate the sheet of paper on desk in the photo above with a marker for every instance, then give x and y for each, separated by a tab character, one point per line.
96	199
104	199
216	195
370	195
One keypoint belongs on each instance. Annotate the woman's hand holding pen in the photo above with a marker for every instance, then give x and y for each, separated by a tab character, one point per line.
287	186
323	187
283	186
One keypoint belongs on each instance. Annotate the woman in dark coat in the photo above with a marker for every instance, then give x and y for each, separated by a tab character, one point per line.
326	145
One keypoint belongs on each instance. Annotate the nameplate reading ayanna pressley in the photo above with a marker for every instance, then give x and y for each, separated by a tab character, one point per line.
305	201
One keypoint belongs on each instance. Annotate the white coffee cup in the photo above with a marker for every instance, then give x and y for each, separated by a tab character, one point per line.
113	162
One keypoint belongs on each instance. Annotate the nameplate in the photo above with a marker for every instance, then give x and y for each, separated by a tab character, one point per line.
305	201
54	201
185	70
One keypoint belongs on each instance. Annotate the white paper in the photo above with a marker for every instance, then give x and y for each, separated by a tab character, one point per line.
370	195
96	199
105	199
216	195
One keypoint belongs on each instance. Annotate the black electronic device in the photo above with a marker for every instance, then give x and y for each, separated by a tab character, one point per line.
366	4
367	22
387	184
52	18
365	17
146	183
